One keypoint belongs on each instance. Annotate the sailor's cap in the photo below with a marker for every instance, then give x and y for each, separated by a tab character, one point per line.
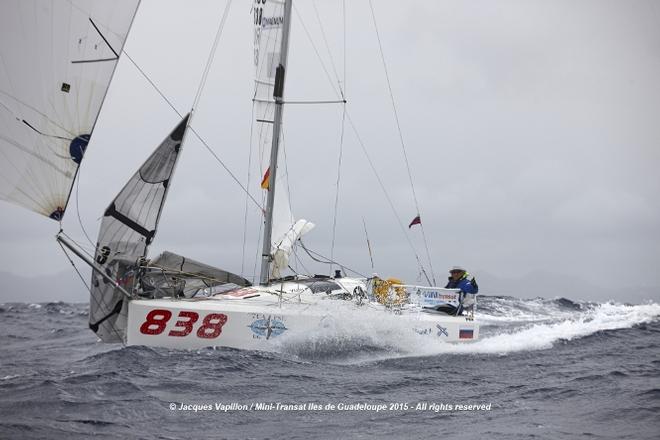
457	269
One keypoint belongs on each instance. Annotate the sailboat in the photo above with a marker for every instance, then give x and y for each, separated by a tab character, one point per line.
170	300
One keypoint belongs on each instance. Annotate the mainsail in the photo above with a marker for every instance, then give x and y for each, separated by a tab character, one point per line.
56	63
128	227
269	16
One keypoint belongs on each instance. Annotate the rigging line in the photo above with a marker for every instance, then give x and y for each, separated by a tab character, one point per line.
211	57
286	171
78	208
192	129
78	244
327	260
89	289
341	151
327	46
309	37
387	196
326	101
398	126
238	182
299	261
256	257
364	223
87	286
162	95
249	179
337	101
343	124
343	11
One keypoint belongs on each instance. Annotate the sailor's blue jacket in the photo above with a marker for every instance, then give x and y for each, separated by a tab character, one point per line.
465	284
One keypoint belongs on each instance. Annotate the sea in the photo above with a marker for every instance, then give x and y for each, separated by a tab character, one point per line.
542	369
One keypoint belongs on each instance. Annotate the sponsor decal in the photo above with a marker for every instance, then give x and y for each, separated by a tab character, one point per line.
245	292
430	294
267	327
423	331
442	330
465	333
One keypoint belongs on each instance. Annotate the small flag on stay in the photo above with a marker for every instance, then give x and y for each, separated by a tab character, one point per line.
465	333
416	221
265	182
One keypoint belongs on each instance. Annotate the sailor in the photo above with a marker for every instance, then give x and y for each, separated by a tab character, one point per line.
460	279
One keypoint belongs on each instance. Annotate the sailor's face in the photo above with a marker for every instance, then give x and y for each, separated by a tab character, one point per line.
456	274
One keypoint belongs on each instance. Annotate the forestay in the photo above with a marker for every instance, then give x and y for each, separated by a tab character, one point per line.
269	18
128	227
56	62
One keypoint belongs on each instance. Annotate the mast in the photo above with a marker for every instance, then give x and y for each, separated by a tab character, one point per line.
278	92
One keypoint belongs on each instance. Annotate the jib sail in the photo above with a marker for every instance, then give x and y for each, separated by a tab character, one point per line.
128	227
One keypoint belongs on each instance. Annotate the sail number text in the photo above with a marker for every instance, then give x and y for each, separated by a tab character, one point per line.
156	323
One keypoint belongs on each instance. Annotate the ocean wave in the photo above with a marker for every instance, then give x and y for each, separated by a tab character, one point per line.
507	309
349	335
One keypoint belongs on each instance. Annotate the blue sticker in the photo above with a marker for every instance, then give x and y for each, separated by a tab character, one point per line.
78	146
269	327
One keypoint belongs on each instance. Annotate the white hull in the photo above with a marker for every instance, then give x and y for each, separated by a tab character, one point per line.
263	322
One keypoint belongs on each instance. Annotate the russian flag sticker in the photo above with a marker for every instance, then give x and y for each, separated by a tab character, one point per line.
465	333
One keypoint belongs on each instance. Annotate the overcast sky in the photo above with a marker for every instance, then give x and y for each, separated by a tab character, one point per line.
531	128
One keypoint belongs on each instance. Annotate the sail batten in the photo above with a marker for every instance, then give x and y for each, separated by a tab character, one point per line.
56	63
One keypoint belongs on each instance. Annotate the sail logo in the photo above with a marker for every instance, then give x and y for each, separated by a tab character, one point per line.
267	327
268	22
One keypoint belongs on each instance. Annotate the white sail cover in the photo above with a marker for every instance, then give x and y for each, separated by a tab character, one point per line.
56	62
128	227
268	25
282	248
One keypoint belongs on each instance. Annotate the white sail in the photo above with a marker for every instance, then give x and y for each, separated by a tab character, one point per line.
56	62
128	227
269	18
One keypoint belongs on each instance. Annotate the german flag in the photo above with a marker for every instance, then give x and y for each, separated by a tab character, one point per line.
265	182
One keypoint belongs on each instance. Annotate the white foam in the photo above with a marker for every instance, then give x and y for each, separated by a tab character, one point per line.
367	335
9	377
607	316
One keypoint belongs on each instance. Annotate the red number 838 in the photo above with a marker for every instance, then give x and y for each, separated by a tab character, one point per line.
156	322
